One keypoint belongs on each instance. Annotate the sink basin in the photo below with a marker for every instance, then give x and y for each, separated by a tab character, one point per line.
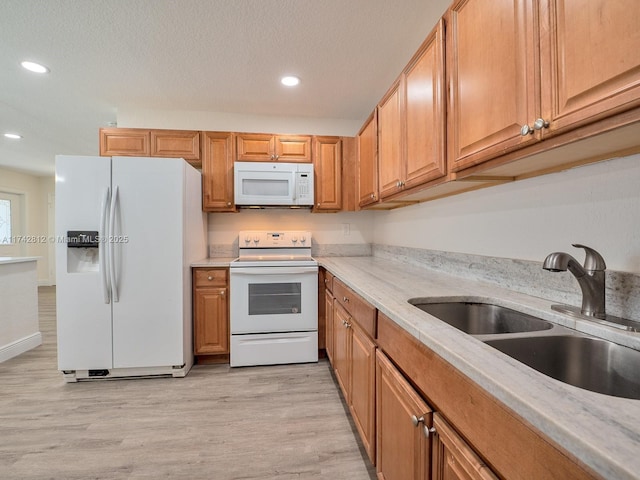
590	363
482	318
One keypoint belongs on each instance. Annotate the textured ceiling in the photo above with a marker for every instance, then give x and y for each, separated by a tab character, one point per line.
203	55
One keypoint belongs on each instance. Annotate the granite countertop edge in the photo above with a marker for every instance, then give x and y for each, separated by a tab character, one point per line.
600	430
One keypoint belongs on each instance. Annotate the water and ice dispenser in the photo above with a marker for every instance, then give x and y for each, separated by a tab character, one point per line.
82	251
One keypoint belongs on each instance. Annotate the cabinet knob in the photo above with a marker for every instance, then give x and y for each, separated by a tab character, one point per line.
416	421
222	293
540	123
228	204
209	278
345	299
526	130
373	196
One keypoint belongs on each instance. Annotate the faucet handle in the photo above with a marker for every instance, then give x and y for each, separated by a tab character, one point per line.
593	261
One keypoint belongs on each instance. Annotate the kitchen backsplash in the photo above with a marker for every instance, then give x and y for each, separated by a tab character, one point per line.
622	289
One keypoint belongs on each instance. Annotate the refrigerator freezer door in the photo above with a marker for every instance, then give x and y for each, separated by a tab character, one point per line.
148	258
83	317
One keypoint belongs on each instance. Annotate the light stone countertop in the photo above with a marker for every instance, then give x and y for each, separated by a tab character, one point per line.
602	431
6	260
213	262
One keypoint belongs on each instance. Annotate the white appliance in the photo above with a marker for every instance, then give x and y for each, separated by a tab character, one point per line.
273	184
127	230
274	299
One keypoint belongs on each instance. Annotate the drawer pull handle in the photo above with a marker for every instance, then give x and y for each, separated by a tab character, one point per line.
416	421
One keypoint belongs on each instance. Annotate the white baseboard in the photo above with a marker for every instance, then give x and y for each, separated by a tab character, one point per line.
22	345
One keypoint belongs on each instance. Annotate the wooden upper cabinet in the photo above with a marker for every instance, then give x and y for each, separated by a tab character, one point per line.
425	108
138	142
327	166
175	143
217	172
547	68
267	148
390	141
590	60
128	142
368	162
491	65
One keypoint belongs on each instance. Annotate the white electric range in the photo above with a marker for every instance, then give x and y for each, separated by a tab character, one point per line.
274	299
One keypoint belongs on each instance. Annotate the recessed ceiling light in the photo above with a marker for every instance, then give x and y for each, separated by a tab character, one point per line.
35	67
290	81
14	136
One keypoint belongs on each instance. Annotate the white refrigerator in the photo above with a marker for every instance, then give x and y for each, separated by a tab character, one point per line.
127	230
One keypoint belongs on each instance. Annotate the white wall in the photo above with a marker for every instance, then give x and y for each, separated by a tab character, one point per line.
36	192
597	205
233	122
326	228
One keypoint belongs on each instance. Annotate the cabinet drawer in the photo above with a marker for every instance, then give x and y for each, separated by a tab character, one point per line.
363	313
210	277
328	280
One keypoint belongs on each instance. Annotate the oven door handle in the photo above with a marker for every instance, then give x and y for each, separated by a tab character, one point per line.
273	270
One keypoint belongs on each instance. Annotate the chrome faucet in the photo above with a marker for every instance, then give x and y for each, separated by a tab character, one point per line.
590	277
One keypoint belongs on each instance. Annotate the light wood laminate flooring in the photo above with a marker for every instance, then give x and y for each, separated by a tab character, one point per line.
278	422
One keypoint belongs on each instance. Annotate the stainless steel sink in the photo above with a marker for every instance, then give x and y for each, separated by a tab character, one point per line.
482	318
590	363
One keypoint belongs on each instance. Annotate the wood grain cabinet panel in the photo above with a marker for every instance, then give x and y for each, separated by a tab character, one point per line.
403	449
452	457
176	143
390	145
424	113
548	68
327	166
217	172
211	311
254	147
368	162
128	142
492	78
589	60
363	381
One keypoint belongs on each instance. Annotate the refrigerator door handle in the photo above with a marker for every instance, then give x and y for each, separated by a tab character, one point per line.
112	234
103	245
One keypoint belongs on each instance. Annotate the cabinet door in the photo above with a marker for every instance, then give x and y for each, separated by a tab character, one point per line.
327	165
453	458
341	349
211	321
255	147
425	112
368	162
176	143
363	394
590	60
127	142
328	315
390	142
217	172
293	148
492	74
403	450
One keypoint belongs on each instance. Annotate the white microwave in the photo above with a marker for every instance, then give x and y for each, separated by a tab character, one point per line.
273	184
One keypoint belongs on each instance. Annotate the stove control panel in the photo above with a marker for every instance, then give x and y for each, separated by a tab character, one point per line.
274	239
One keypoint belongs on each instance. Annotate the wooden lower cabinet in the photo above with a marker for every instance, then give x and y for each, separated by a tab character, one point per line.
210	311
363	382
328	321
403	448
353	360
452	458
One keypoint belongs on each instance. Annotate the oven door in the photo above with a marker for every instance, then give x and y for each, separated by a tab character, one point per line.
274	299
